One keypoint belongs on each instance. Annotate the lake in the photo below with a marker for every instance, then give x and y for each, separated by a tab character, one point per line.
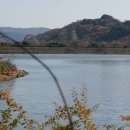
106	77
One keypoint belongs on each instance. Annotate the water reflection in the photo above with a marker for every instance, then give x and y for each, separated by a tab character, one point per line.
7	84
106	62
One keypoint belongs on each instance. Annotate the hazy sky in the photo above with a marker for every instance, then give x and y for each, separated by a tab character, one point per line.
58	13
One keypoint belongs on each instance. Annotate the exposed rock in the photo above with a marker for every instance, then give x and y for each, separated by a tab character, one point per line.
88	31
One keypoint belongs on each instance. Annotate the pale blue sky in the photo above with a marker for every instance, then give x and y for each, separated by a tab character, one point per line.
58	13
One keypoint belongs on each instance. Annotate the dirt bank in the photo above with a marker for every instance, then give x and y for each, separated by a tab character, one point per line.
12	74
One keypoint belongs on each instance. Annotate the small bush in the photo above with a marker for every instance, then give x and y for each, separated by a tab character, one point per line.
79	112
6	66
9	121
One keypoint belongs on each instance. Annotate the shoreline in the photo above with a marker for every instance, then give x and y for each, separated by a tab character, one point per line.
12	75
64	50
9	71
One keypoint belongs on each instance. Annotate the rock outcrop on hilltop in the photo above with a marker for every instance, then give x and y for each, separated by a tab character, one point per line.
103	32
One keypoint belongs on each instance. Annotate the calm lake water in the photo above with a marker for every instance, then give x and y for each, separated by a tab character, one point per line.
107	78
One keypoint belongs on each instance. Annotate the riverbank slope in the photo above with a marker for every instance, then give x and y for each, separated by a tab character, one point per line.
9	71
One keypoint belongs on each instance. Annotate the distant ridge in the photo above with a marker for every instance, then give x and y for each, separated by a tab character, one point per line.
19	33
105	31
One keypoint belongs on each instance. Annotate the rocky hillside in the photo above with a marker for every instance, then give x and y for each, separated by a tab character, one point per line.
103	32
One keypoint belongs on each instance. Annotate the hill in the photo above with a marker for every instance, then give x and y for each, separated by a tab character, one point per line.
19	33
102	32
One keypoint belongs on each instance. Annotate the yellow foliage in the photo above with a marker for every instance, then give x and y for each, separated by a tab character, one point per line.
78	112
8	122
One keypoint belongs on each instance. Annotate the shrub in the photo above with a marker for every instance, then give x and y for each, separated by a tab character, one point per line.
14	114
6	66
79	112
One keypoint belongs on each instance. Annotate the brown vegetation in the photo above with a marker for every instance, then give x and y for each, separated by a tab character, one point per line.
9	71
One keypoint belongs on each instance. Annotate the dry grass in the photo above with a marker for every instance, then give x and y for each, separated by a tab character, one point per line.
9	71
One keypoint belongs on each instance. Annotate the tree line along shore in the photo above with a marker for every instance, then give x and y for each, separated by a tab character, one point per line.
63	50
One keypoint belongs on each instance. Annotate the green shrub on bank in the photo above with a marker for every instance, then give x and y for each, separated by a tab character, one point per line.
6	66
9	121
